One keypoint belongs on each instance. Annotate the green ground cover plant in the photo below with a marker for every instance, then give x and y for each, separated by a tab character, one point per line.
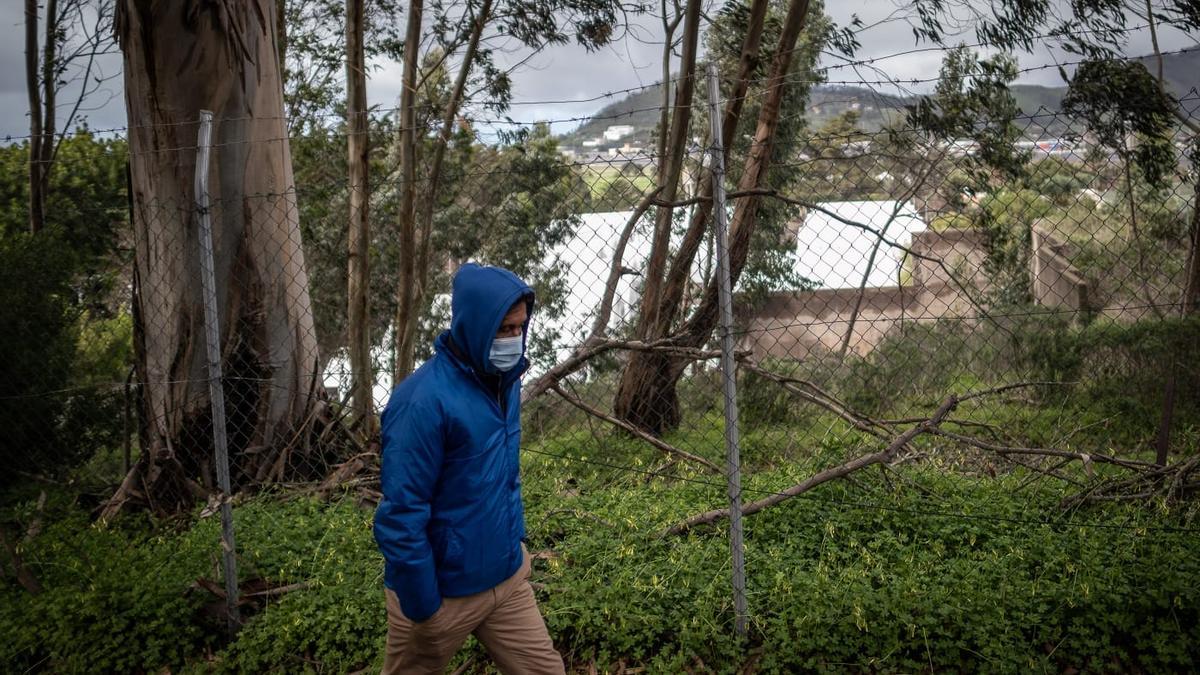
964	574
954	562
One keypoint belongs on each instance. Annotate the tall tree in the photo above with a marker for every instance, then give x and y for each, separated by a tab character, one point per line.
468	33
357	273
181	58
73	34
646	394
37	116
402	358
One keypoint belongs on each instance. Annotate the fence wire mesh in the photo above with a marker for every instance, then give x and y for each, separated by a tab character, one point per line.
892	306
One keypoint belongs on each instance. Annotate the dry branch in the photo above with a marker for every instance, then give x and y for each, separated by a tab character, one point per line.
622	424
617	267
586	352
1006	451
587	347
820	398
825	476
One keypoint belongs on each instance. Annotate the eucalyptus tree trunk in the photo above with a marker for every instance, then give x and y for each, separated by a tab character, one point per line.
358	313
648	407
402	350
646	395
180	58
424	212
40	88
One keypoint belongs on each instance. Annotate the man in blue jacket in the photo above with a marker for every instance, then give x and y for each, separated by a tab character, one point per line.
450	524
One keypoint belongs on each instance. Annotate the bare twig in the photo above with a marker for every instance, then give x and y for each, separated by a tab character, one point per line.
626	426
1009	387
820	398
827	475
586	353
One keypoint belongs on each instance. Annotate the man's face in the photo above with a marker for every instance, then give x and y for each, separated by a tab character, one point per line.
514	321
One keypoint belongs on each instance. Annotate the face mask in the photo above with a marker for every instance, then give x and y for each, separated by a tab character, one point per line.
506	352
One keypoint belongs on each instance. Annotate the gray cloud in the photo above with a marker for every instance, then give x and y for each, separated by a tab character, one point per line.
12	51
569	72
104	109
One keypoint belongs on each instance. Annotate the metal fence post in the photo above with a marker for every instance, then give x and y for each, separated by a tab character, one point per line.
216	394
728	367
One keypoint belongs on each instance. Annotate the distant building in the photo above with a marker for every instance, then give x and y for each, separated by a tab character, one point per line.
617	132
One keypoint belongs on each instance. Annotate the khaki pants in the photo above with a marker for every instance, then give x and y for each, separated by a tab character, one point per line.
505	619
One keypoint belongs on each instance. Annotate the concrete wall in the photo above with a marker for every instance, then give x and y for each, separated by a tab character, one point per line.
947	280
1054	282
809	323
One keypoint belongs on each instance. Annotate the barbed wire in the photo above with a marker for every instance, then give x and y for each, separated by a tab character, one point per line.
506	121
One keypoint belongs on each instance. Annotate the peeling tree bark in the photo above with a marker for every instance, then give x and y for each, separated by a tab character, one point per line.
180	58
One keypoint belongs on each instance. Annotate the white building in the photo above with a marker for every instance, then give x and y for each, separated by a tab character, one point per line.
617	132
835	240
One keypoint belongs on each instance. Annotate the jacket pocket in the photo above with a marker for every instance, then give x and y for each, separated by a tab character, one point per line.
447	549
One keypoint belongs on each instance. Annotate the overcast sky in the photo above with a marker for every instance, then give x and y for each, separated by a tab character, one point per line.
567	72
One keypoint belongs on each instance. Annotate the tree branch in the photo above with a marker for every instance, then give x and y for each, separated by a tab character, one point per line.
622	424
820	398
825	476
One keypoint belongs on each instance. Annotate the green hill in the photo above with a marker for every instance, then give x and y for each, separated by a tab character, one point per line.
640	109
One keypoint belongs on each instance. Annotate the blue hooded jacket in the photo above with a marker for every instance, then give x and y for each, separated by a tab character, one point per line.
451	522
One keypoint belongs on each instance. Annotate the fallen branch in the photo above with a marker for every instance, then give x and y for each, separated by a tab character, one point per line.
342	473
1169	482
825	476
626	426
820	398
250	590
1005	451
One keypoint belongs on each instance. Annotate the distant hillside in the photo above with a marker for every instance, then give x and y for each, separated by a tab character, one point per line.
875	109
1181	70
640	109
1034	98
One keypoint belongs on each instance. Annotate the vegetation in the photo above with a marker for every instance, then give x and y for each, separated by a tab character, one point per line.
953	556
67	339
967	573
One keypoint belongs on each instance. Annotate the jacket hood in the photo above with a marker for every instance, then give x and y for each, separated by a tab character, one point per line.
481	298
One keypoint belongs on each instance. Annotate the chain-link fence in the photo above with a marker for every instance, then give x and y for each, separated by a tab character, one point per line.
900	308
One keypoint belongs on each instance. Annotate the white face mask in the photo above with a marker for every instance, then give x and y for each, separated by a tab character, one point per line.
506	352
